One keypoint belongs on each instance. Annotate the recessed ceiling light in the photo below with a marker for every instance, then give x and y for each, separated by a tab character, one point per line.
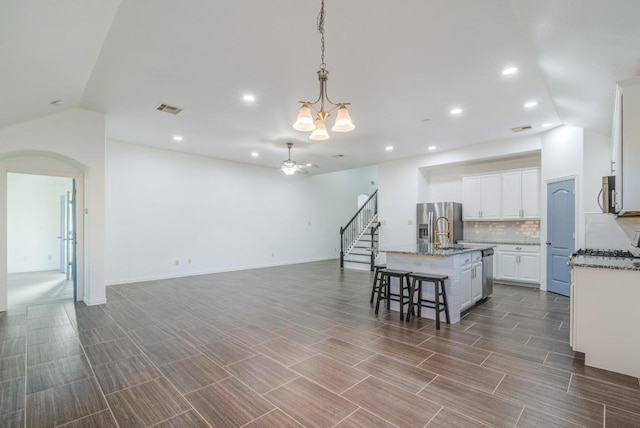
546	125
510	70
389	148
431	148
249	98
309	164
177	138
255	154
456	111
530	104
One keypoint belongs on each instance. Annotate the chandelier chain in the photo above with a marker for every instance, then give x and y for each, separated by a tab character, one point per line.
321	31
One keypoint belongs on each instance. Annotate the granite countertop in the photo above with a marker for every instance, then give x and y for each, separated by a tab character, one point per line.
431	250
604	263
500	242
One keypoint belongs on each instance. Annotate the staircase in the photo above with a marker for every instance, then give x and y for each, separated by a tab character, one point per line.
359	238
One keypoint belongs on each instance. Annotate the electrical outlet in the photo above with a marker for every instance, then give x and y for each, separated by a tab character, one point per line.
49	257
177	262
272	254
189	261
409	222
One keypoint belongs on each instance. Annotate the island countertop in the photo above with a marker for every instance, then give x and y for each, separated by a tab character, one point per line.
431	250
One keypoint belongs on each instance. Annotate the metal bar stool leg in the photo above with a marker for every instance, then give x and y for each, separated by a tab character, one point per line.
444	298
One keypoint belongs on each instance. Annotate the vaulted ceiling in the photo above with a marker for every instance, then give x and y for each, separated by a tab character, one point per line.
403	65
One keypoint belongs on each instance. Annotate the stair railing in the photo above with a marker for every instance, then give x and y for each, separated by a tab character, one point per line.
374	245
354	229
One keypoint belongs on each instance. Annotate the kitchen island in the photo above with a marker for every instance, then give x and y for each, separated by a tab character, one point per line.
463	266
604	312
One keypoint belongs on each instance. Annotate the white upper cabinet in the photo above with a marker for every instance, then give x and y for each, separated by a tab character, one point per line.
481	197
531	194
511	195
521	195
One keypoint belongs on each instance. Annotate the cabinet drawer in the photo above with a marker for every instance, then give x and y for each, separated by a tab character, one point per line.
519	248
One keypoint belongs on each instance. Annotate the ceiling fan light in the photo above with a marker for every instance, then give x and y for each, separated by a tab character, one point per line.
343	121
320	133
288	170
304	121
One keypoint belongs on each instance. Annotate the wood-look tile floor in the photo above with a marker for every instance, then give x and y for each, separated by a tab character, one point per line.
298	346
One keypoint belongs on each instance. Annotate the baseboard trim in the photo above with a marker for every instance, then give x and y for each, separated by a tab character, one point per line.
232	269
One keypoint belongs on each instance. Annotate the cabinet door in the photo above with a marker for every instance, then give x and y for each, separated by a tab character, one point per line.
531	194
490	192
465	287
476	282
508	265
512	195
529	267
471	198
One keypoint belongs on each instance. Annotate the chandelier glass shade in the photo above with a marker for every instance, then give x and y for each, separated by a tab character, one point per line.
323	106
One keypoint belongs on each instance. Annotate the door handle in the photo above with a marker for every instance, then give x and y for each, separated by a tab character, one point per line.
548	242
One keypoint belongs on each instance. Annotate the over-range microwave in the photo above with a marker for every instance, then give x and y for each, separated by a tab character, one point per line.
607	195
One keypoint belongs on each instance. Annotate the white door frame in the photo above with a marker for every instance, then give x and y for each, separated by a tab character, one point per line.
80	237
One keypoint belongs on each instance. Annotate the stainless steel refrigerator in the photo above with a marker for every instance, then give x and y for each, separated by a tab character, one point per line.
439	223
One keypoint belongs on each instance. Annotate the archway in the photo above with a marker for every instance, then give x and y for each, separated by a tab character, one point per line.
50	165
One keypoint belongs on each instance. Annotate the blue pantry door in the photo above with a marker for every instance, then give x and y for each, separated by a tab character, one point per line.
560	234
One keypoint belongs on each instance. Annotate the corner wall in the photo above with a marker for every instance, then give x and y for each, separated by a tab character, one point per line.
77	135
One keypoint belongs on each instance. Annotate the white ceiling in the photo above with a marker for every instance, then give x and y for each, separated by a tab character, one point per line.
397	62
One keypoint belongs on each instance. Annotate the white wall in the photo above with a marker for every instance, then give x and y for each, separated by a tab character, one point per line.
406	182
33	221
164	206
444	183
77	137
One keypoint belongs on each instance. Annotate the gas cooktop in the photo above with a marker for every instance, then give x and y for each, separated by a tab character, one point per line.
617	254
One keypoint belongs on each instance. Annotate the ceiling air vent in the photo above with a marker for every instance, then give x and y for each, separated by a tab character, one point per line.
521	128
168	109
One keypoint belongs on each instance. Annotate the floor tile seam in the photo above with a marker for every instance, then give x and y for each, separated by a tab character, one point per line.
397	358
35	366
593	400
542	404
104	397
469	385
182	413
157	366
621	409
465	361
275	408
417	394
597	379
86	416
184	394
114	360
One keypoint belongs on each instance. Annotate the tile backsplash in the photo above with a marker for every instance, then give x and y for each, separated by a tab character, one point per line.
609	232
507	231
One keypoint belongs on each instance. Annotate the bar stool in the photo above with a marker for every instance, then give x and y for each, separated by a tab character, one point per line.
439	291
377	280
384	293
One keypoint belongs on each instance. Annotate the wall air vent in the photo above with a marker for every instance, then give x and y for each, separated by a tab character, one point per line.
168	109
521	128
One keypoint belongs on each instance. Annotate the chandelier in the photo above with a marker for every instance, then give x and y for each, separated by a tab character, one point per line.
305	121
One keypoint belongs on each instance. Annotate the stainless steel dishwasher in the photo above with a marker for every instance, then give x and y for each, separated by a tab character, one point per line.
487	272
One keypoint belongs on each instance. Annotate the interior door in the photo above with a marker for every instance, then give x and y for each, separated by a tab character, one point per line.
560	235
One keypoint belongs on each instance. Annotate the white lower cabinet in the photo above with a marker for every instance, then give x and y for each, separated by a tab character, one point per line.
519	263
470	279
476	281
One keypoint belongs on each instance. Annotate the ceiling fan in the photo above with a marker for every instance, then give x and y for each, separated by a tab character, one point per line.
290	167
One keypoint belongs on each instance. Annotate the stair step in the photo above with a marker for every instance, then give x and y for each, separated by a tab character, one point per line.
358	261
